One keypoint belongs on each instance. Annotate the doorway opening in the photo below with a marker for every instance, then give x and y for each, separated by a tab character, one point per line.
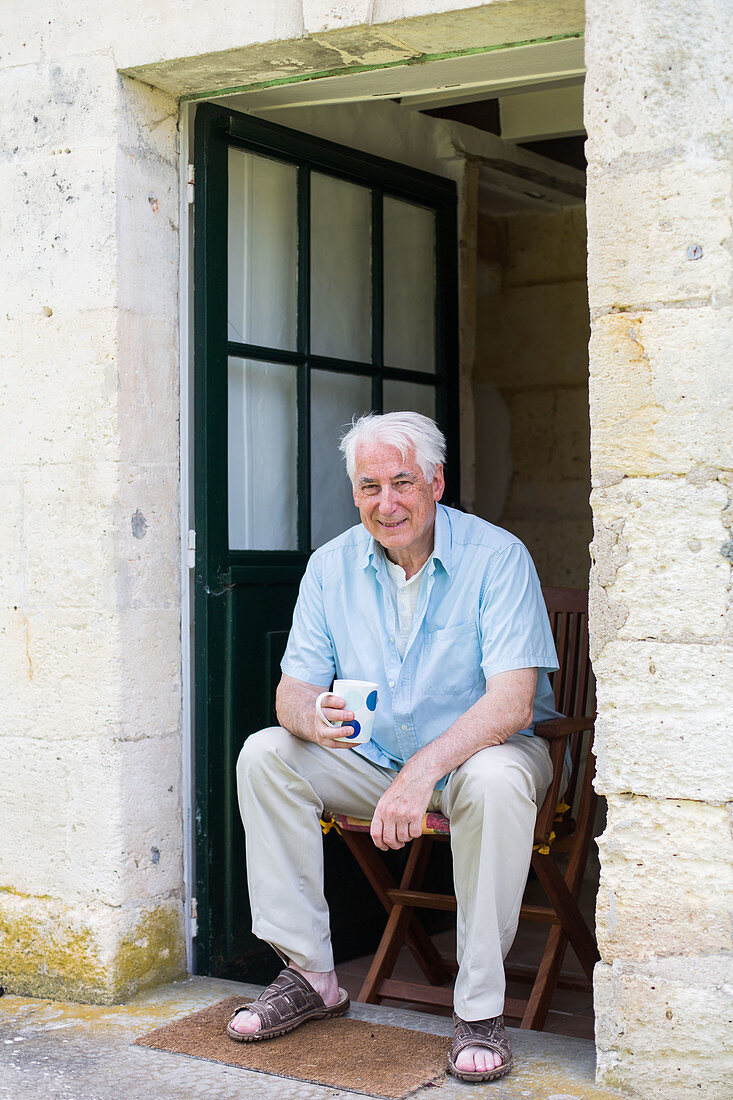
514	157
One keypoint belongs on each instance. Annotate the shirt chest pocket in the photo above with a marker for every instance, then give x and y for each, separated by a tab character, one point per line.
453	660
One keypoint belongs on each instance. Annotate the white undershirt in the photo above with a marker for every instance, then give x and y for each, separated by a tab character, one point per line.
406	595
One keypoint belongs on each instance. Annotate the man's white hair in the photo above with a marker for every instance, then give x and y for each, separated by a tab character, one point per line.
407	431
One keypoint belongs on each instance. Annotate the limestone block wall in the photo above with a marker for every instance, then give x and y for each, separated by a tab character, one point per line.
531	387
658	110
91	844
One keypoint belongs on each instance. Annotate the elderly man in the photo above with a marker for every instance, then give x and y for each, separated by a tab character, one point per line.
444	611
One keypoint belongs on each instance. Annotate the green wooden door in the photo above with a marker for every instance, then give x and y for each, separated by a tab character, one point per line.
325	285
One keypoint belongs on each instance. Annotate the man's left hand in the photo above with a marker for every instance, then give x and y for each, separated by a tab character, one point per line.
400	811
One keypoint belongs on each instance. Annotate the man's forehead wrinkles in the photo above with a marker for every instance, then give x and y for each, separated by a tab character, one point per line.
367	478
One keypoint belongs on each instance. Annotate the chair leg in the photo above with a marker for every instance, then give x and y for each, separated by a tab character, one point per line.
569	915
545	983
401	924
417	940
563	891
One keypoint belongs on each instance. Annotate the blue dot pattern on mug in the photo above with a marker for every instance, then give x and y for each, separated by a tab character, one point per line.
357	730
371	700
353	700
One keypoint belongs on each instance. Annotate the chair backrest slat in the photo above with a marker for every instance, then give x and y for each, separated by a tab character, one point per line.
574	700
568	612
573	683
586	690
562	673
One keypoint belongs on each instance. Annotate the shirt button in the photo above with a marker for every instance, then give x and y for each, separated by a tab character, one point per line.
404	725
391	683
391	639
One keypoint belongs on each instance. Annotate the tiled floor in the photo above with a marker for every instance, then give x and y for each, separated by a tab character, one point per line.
571	1012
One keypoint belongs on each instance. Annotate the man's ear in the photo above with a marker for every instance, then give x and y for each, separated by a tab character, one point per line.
438	482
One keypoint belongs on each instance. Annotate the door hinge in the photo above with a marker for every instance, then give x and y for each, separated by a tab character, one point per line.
190	184
194	914
191	548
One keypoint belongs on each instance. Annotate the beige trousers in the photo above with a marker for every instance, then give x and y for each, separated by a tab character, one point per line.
285	784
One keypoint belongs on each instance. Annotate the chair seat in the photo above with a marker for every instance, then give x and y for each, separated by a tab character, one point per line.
433	824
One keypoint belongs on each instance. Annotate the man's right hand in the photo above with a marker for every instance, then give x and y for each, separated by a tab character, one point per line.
296	711
334	709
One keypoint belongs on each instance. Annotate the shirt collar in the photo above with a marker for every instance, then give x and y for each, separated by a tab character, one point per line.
442	549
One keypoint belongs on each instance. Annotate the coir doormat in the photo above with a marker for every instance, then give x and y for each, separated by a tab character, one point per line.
342	1053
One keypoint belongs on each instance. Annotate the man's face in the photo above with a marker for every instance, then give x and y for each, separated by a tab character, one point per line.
395	502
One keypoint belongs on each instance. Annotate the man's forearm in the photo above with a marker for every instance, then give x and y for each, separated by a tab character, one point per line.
506	708
294	705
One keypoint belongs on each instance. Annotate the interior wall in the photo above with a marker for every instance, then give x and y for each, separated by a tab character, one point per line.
531	386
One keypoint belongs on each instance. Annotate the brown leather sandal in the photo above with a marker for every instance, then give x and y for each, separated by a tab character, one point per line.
287	1003
481	1033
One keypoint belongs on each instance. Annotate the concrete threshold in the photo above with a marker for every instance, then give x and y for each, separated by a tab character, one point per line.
51	1050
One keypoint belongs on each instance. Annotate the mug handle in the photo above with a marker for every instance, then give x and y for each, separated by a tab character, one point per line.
319	702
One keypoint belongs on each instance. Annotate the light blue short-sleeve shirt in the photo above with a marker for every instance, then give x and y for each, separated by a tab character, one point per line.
480	612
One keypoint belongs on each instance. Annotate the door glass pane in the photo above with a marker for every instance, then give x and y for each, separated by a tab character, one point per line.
262	426
340	269
335	399
409	396
263	251
409	285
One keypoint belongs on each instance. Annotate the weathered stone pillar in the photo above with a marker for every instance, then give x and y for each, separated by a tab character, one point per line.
659	250
90	793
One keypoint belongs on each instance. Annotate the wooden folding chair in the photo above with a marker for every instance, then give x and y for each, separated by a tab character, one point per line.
557	834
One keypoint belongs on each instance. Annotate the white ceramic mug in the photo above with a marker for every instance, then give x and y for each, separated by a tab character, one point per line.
361	699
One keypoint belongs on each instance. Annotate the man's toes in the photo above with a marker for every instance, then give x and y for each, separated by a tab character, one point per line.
488	1059
468	1059
464	1060
246	1023
483	1060
478	1059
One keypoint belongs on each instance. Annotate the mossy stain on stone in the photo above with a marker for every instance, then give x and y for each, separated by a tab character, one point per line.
55	952
50	955
152	955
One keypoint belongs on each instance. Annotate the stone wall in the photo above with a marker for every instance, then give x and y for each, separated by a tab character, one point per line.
531	387
659	248
91	871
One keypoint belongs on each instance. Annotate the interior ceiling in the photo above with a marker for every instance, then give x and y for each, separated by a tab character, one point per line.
485	114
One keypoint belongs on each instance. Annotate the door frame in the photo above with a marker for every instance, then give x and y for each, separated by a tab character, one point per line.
215	127
187	114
